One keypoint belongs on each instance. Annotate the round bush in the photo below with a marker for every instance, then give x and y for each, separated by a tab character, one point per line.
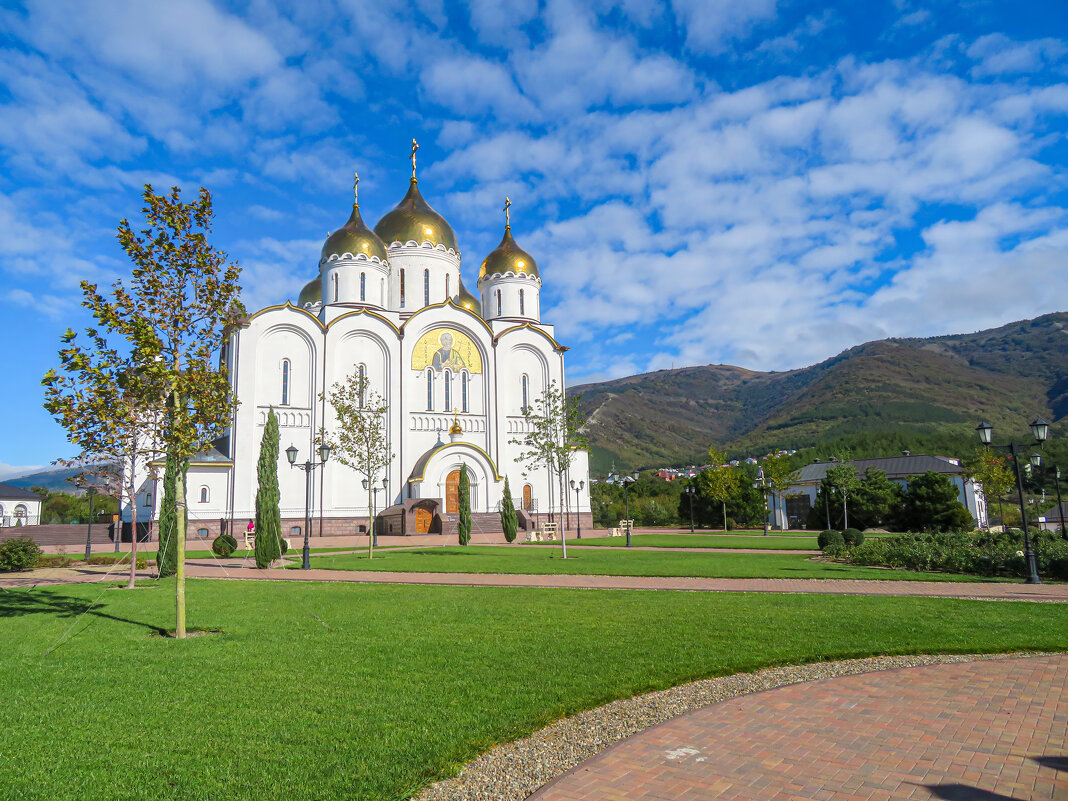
20	553
853	536
284	547
224	545
830	539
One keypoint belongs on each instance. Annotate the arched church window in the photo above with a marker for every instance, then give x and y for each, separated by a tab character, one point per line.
203	494
285	381
362	369
402	288
335	281
498	303
429	389
426	287
463	391
526	392
522	305
363	287
447	277
448	391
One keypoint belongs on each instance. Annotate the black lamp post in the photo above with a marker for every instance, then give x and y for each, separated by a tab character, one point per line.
626	482
91	491
308	467
764	491
1036	462
577	487
374	507
691	492
1040	431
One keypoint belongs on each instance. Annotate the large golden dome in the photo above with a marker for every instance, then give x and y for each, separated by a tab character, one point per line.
312	293
465	300
508	257
414	220
354	237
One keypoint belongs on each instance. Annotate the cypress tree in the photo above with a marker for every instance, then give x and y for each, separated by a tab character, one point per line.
464	527
268	515
167	526
509	521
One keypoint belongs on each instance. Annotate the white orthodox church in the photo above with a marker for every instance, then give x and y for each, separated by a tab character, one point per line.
455	369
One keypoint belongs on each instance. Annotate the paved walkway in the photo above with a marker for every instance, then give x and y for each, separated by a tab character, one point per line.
245	569
982	731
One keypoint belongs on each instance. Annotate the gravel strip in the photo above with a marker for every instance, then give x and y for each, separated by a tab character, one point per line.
512	771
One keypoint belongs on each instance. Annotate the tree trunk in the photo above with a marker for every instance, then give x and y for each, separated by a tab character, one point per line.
563	533
370	522
180	526
133	530
724	515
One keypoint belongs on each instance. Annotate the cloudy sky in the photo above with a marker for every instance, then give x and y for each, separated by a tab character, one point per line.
756	182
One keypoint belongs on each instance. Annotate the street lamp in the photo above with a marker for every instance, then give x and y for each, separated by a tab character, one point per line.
374	506
1036	462
90	491
308	467
691	492
764	491
626	482
577	487
1040	431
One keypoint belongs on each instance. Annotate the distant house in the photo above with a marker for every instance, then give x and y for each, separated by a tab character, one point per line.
801	497
1051	520
19	506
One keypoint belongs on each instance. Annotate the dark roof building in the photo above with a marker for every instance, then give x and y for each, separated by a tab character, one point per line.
9	492
895	467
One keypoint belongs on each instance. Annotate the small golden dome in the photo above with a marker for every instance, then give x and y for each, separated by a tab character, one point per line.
354	237
455	427
508	257
414	220
465	300
312	293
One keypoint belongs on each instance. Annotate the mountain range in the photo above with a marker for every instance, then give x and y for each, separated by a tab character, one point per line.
935	387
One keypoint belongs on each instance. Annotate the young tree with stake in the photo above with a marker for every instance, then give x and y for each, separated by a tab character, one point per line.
720	481
781	476
555	425
170	318
361	440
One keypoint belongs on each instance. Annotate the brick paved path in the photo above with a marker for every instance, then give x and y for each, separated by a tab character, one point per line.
988	731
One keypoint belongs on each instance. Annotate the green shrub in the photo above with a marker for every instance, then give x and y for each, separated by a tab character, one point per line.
224	545
114	559
830	539
20	553
731	524
853	536
54	561
283	546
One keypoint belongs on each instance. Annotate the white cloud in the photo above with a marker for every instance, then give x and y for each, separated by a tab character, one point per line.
999	55
472	86
8	471
711	25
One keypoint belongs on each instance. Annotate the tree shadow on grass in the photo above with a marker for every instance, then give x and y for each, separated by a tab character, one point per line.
16	603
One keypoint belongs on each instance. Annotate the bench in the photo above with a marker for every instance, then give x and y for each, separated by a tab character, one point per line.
624	527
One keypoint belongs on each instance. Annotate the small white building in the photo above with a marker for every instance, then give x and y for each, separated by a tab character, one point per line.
19	507
391	304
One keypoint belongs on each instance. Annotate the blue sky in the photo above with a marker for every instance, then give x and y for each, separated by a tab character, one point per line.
756	182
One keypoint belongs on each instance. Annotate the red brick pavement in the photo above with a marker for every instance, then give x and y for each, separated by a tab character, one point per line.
988	730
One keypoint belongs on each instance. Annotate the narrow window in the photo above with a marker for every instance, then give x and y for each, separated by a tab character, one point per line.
498	303
402	289
522	305
334	279
363	384
447	277
363	287
203	494
526	387
429	389
285	382
202	533
426	287
463	390
448	391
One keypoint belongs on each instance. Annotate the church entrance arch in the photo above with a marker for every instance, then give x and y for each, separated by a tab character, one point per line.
452	493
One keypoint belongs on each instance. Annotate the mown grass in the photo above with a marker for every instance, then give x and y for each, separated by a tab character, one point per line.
615	562
352	691
726	541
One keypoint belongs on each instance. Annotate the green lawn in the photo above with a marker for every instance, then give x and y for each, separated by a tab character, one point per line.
614	562
319	690
772	541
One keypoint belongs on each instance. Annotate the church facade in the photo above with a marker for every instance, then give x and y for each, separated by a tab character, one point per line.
456	370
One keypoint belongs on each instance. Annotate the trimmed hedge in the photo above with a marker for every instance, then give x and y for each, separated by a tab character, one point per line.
224	545
830	539
853	536
980	553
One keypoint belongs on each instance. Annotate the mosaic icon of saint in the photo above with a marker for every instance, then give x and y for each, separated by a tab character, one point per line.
445	356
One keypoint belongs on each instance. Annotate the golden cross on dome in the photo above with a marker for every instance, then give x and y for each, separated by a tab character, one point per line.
507	215
415	147
356	189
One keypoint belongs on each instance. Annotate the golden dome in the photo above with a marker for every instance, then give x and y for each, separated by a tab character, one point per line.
508	257
312	293
354	237
414	220
455	427
466	300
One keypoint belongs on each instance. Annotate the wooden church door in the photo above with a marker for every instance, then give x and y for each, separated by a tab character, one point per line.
452	493
422	520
